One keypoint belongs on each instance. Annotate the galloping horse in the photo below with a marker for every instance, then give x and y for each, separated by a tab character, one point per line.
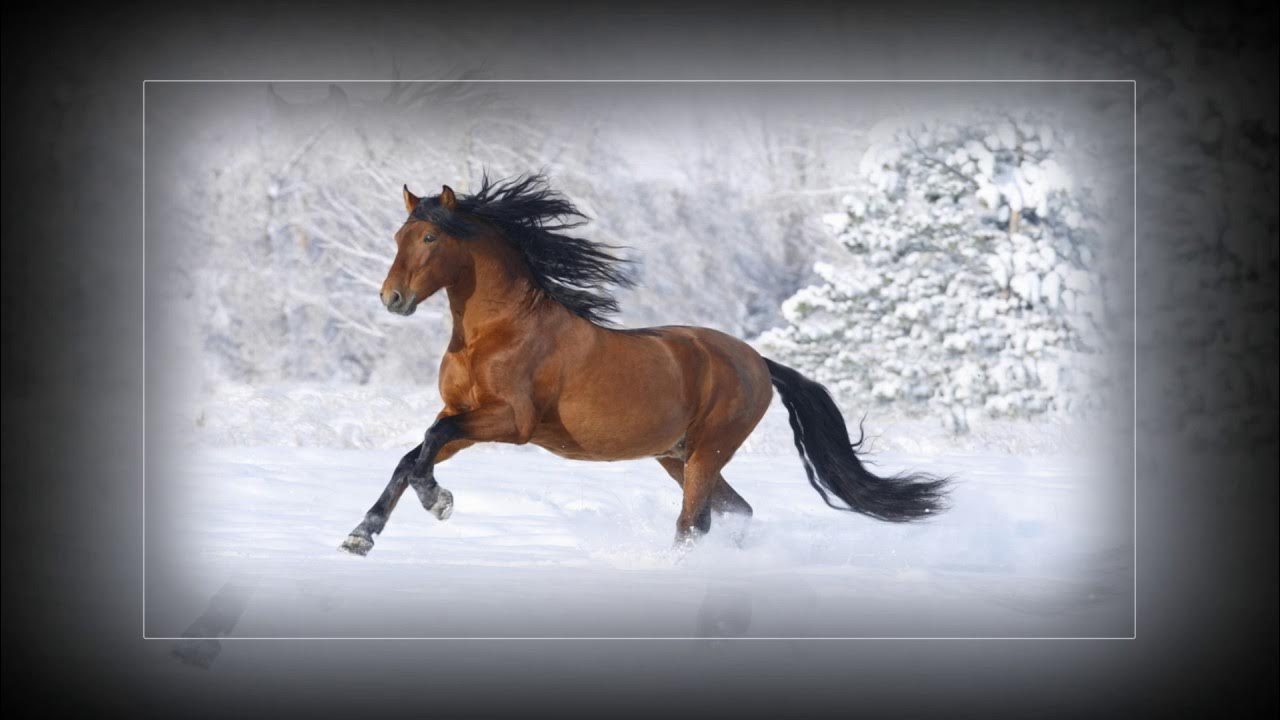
533	360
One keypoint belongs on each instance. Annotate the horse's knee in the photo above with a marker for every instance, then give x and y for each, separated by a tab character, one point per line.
435	499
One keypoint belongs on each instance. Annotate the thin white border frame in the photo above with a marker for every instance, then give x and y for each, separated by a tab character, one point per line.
643	81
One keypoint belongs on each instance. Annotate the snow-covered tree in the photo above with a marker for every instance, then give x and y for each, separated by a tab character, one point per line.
969	287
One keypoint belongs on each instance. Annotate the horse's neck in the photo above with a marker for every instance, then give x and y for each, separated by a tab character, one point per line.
493	295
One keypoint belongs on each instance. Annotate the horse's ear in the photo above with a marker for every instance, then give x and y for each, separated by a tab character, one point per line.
410	200
447	198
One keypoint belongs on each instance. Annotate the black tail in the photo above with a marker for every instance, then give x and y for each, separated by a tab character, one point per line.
832	466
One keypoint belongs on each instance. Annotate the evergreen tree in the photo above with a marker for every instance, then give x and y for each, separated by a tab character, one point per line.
969	288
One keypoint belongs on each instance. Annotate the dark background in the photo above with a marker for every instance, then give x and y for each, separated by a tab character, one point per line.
72	339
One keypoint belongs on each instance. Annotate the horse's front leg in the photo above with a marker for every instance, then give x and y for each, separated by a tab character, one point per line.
448	435
496	422
421	475
360	541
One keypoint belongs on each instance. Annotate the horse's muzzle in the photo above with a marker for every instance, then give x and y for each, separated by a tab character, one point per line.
399	303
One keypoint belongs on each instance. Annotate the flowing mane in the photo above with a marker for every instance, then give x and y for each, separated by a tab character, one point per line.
575	272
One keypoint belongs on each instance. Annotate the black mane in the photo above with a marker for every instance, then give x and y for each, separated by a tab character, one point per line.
572	271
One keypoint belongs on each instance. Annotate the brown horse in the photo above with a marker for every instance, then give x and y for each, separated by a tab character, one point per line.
532	360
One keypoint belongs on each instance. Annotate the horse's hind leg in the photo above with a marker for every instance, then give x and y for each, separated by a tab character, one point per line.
701	480
727	500
724	499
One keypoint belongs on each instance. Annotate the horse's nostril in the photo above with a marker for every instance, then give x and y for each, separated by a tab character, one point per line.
393	300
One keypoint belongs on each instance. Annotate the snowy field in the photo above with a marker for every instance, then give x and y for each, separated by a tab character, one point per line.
541	546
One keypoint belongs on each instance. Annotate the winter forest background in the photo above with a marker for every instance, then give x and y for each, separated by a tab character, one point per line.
958	254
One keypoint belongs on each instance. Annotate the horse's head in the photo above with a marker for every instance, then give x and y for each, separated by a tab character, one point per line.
428	255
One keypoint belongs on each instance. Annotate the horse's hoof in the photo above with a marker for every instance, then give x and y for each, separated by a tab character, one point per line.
357	545
442	508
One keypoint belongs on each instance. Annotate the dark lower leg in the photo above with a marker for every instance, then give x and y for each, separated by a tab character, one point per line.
416	468
434	499
727	500
360	541
693	523
449	434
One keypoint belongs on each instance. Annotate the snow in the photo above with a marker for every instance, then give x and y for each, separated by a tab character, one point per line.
539	546
542	546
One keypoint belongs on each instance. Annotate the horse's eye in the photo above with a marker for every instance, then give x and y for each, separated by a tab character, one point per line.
428	238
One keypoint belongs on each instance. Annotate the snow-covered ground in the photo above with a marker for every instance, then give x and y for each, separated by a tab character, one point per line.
1033	545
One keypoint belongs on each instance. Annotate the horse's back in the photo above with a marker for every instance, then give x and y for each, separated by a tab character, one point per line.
639	393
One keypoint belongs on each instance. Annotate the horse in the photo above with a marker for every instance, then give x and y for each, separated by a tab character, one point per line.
533	358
